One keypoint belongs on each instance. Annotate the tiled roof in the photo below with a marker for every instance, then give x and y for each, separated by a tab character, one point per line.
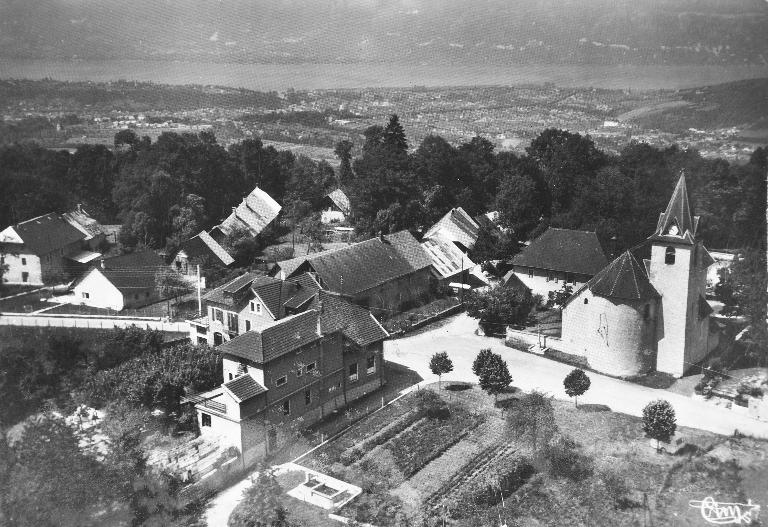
222	294
255	212
447	259
456	226
565	250
340	200
274	341
366	264
47	233
80	220
244	387
133	270
677	216
513	281
623	279
355	323
203	244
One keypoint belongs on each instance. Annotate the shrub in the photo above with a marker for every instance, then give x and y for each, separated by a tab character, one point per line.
565	461
504	483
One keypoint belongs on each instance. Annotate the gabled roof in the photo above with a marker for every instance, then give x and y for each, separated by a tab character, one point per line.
570	251
244	387
340	200
513	281
676	224
203	244
361	266
45	233
623	279
355	323
255	212
223	293
83	222
447	259
456	226
275	340
133	270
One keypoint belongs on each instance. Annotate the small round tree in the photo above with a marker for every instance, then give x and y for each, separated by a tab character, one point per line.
576	383
440	363
659	421
480	360
495	377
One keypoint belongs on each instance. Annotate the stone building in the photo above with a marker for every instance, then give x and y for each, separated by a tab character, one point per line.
632	318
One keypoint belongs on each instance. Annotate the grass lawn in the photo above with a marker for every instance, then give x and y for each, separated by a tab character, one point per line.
607	475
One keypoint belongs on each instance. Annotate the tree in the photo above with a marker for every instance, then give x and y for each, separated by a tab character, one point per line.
262	504
495	377
343	151
170	284
440	363
559	297
393	136
241	245
498	307
576	383
659	421
533	418
481	360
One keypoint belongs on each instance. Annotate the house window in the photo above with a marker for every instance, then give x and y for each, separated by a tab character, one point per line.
201	330
287	407
86	295
530	272
205	419
232	322
586	300
24	277
258	307
550	276
253	306
299	371
370	364
569	279
669	256
353	372
281	380
23	261
247	325
307	396
311	366
230	376
218	314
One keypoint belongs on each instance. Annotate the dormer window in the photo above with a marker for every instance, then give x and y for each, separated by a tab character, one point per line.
669	255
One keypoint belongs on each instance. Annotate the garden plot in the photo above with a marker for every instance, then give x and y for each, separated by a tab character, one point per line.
471	468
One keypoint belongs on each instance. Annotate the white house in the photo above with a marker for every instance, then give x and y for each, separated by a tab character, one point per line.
121	282
557	257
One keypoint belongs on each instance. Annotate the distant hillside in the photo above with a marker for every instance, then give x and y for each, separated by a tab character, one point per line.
742	103
372	31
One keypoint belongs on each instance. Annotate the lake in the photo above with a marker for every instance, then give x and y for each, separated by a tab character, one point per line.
266	77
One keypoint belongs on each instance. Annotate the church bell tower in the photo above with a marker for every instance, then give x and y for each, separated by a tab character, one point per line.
678	271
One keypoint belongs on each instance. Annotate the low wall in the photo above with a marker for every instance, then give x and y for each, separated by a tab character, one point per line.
522	340
434	318
90	322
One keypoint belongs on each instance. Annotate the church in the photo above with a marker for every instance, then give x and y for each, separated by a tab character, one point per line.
634	317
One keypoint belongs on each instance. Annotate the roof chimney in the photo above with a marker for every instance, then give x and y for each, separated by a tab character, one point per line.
319	316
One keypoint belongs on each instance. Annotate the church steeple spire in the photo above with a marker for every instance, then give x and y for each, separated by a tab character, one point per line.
676	223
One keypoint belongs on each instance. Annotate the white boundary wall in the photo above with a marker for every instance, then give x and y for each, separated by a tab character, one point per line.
91	322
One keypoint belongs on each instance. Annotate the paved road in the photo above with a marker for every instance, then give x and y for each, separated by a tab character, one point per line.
533	372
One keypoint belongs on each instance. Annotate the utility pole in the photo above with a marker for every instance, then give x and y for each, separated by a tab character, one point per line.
199	296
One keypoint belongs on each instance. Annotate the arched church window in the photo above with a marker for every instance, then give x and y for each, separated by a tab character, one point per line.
586	300
669	256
